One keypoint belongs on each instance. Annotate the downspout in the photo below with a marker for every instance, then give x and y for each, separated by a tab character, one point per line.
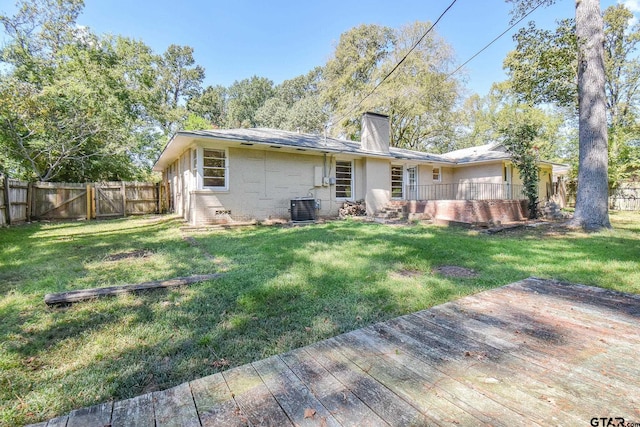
324	166
325	175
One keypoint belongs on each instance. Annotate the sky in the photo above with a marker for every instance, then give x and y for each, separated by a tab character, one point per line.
282	39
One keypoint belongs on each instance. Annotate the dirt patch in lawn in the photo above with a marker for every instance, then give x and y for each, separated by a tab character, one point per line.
406	274
538	229
455	271
138	253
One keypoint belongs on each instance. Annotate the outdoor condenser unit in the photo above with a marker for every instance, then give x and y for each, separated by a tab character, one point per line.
303	209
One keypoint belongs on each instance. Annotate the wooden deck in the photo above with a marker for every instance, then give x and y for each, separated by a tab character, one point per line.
535	352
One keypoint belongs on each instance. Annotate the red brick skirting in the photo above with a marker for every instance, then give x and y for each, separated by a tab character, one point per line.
468	211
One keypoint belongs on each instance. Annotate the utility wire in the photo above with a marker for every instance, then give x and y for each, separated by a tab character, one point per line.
494	40
422	38
397	65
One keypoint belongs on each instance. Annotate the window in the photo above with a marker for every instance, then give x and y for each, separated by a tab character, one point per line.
396	182
412	183
214	168
344	179
436	174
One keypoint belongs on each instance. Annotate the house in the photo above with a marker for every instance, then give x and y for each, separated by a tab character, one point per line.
256	174
491	163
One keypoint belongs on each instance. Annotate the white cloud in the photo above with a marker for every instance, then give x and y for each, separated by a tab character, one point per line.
632	5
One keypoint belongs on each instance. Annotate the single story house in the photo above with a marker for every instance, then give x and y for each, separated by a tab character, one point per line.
225	175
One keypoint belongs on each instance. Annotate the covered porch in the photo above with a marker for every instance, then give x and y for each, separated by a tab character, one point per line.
463	202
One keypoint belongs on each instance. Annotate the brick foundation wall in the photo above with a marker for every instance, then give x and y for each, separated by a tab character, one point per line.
468	211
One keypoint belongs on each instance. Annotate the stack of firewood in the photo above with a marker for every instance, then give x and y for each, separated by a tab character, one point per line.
348	209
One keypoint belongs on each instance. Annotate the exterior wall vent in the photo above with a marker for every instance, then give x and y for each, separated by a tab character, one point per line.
303	209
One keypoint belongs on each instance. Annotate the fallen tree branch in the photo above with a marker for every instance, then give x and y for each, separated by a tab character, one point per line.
85	294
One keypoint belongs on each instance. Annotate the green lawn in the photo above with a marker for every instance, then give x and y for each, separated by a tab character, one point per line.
283	288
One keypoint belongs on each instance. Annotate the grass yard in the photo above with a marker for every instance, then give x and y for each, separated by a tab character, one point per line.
283	288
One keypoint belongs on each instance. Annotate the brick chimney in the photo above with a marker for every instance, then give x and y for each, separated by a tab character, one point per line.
375	133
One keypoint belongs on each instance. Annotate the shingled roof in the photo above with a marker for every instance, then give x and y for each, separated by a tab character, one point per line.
285	139
480	153
275	138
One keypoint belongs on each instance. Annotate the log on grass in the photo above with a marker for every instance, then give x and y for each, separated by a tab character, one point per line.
85	294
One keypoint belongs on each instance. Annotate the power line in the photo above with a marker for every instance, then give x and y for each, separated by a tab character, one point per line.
494	40
398	64
422	38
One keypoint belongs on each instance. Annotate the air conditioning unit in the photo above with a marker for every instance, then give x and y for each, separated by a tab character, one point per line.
303	209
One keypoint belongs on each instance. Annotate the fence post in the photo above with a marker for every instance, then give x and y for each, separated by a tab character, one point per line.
88	202
29	200
7	200
158	195
94	201
124	199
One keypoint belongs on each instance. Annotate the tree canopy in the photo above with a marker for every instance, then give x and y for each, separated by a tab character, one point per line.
420	96
68	105
570	66
543	69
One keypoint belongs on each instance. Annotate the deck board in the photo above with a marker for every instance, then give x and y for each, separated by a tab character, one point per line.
536	352
543	373
254	399
97	415
516	335
365	387
338	399
499	384
404	351
58	421
175	407
134	412
215	403
300	405
418	391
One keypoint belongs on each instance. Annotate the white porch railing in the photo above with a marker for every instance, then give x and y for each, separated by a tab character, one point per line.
465	191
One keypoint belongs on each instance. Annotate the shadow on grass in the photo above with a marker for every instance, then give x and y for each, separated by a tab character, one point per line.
43	258
284	288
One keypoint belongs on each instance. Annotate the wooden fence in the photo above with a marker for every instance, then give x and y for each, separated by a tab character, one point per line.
22	201
625	199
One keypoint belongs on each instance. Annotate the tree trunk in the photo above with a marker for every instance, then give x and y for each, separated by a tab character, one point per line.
592	210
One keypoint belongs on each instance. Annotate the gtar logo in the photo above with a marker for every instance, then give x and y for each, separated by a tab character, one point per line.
607	422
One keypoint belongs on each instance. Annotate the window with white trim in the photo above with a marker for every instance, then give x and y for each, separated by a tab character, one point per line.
436	175
344	179
194	161
194	168
397	182
214	169
412	183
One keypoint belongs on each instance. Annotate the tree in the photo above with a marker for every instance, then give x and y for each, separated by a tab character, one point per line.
519	141
210	104
553	56
273	114
484	119
195	122
352	72
419	96
592	199
623	90
179	80
296	105
592	195
244	98
70	101
528	134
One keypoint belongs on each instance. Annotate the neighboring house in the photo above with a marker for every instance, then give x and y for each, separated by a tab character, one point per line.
255	174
